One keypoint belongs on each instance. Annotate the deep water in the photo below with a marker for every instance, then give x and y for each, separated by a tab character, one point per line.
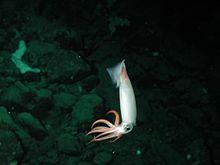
54	84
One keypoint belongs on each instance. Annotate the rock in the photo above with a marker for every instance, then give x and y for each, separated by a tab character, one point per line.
90	82
51	157
32	124
84	108
64	100
66	67
44	94
6	123
11	94
73	160
103	158
5	119
7	67
43	103
60	65
39	49
10	147
83	163
68	144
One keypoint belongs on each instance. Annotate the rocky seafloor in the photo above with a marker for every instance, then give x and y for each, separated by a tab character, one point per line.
44	116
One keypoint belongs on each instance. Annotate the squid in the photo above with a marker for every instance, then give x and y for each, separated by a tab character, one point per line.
108	130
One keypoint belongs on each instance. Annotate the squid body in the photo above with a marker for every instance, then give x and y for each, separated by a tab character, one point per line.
118	74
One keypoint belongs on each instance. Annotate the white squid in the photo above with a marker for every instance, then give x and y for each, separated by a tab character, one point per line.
128	108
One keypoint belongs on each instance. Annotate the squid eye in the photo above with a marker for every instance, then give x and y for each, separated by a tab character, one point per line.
127	128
